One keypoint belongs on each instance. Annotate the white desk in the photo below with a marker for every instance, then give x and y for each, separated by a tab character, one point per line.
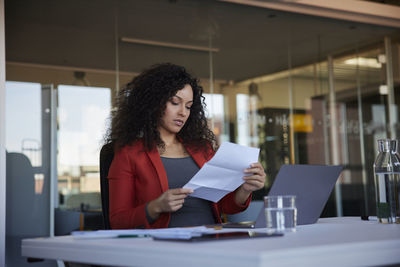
345	241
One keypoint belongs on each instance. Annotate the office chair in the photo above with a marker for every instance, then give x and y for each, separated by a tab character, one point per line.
106	157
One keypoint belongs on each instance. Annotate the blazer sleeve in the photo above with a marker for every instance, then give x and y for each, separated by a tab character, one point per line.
228	204
125	212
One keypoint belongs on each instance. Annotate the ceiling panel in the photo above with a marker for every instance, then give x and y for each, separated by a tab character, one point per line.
252	41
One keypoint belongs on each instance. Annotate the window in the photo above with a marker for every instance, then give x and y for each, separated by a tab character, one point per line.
83	113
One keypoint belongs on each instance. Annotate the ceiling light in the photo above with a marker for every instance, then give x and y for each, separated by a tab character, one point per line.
382	58
169	45
364	62
383	89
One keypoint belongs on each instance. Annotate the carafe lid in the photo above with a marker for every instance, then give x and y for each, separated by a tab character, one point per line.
387	145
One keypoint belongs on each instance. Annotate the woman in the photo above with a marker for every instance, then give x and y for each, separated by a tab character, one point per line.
161	140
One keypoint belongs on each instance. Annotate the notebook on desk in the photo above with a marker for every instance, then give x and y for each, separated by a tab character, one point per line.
311	184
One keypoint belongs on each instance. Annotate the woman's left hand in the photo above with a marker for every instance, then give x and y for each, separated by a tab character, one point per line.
256	180
252	182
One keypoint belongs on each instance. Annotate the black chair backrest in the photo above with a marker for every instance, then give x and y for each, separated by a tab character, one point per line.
106	157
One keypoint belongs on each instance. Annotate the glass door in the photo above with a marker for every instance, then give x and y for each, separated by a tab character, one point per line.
30	113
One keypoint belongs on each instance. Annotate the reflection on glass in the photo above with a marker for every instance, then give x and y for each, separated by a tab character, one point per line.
215	110
23	124
83	112
359	77
311	142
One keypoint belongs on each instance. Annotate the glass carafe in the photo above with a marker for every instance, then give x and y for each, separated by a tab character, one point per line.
387	173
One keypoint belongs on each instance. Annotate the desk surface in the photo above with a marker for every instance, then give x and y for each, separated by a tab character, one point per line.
345	241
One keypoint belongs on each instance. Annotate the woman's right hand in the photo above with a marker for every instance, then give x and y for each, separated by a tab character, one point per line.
170	201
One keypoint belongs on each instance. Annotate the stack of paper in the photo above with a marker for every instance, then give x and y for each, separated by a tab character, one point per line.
162	233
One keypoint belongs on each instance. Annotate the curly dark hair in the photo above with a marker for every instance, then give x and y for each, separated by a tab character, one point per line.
141	104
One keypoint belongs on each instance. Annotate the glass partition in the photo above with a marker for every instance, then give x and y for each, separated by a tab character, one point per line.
361	95
27	171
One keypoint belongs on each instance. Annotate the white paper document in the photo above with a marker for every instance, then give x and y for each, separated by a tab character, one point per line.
178	232
224	172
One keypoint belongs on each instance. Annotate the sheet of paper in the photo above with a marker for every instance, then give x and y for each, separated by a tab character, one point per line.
181	232
224	172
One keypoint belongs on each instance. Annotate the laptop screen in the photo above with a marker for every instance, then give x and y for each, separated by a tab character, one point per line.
311	184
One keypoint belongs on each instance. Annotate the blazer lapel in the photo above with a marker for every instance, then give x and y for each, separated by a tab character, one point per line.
198	157
157	163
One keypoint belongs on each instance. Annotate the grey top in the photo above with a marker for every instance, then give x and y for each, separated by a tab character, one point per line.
195	211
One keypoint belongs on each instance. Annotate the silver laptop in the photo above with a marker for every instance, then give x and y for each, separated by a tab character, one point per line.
311	184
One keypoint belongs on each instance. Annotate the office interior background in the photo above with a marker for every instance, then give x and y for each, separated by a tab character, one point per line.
304	88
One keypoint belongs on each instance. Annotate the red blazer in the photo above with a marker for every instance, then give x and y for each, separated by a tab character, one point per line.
137	176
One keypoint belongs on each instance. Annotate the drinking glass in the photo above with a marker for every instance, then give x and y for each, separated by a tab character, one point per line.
280	213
